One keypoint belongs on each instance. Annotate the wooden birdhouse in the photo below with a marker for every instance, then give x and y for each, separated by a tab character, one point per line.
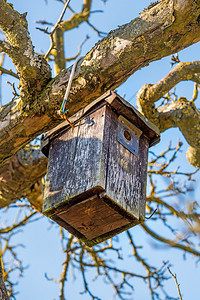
96	178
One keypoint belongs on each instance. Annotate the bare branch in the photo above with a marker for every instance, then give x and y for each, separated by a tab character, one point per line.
177	284
78	18
100	33
24	221
11	263
57	35
8	72
169	242
54	29
1	64
180	113
3	292
79	50
195	92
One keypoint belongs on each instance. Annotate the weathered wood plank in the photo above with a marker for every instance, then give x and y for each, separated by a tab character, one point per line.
77	161
126	174
60	166
93	218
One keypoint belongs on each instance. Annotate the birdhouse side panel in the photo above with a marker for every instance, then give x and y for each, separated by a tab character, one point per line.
89	166
77	162
126	174
142	173
60	164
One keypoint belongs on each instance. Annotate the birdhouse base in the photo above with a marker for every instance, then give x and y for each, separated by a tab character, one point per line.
98	219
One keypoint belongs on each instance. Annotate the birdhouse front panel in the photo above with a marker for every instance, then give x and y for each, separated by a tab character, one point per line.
126	172
96	178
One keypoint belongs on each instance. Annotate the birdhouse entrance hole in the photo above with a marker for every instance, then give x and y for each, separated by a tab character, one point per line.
127	135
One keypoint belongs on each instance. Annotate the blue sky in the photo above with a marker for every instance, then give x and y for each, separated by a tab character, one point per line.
43	251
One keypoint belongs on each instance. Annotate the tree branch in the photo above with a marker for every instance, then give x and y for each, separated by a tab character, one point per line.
20	178
57	34
8	72
169	242
79	50
177	284
30	68
153	35
54	29
181	113
182	71
3	292
79	18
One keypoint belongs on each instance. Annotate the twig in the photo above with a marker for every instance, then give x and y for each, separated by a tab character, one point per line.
66	264
24	221
8	72
44	22
15	94
100	33
169	242
177	284
54	29
79	50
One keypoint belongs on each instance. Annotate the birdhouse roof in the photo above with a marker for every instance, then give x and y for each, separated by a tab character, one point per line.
117	104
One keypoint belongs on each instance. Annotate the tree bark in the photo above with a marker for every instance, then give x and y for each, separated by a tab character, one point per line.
160	30
3	292
20	178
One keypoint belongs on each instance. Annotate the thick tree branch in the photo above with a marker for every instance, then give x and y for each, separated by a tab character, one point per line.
3	292
182	71
20	178
181	113
31	69
165	28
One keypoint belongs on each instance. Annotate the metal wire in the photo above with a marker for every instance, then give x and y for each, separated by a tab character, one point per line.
62	110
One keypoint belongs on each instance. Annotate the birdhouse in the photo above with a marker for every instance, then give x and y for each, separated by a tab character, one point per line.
96	178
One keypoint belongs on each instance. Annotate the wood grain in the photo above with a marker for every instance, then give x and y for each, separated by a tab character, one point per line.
126	173
93	218
77	161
